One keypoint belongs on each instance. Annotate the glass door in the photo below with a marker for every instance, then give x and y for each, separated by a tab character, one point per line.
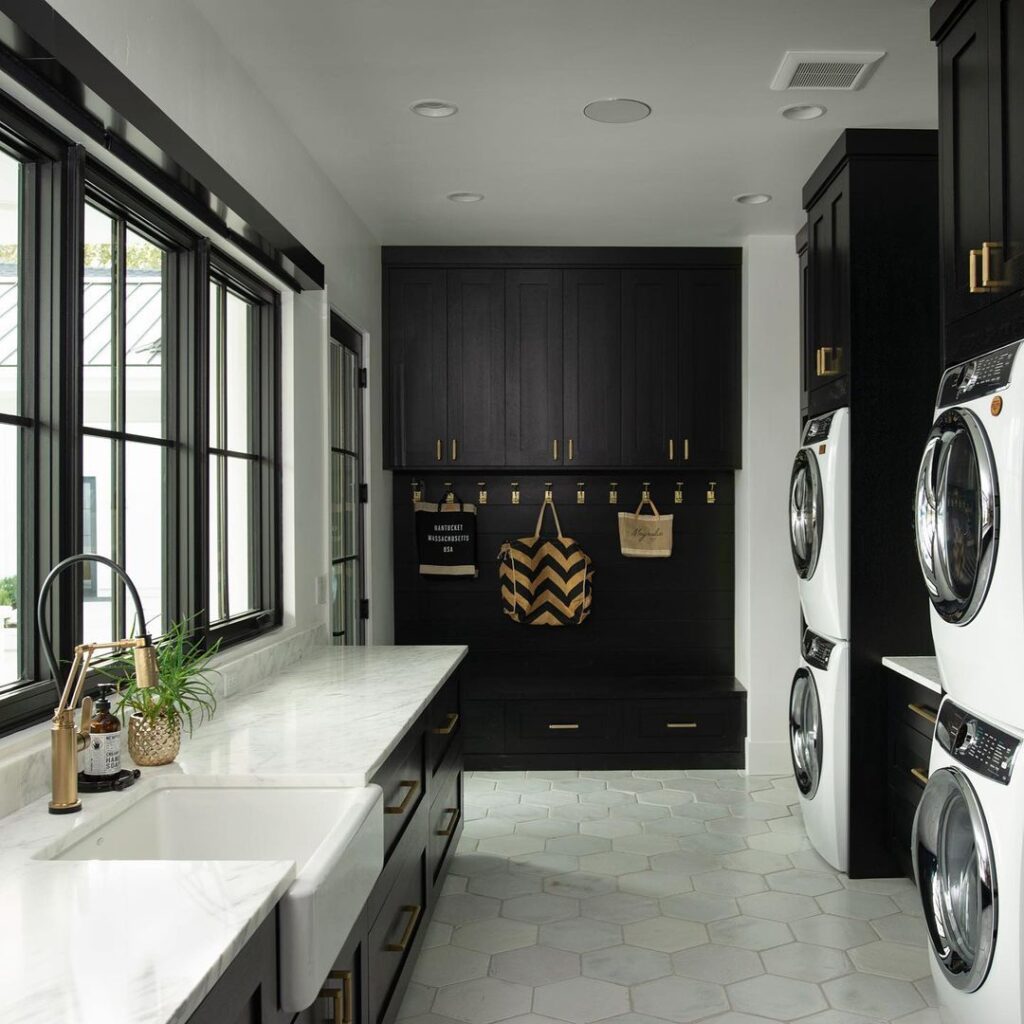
805	513
805	739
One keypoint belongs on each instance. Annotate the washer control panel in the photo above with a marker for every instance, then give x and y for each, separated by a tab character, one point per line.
817	429
977	744
817	650
978	377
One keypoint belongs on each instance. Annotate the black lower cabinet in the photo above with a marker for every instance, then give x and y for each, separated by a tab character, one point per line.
422	782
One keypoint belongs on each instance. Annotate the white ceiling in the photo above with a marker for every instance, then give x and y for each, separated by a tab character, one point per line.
344	73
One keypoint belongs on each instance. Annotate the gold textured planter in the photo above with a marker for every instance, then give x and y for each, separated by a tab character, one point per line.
153	743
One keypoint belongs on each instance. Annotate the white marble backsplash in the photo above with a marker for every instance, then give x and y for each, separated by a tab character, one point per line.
25	756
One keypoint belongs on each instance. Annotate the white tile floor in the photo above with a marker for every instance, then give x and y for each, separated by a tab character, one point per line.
660	896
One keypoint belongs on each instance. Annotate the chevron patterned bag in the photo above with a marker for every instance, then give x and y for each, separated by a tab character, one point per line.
545	582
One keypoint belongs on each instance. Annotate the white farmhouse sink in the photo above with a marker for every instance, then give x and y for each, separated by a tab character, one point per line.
334	835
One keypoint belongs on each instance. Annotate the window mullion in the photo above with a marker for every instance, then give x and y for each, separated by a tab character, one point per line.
119	269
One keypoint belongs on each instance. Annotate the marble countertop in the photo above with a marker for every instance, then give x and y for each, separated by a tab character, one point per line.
144	942
922	670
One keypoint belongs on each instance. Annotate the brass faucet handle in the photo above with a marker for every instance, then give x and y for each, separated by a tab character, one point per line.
83	723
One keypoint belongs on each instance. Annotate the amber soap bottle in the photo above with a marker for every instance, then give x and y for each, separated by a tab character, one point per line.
103	754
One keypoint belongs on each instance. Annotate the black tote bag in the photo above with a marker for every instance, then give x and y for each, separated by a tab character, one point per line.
446	538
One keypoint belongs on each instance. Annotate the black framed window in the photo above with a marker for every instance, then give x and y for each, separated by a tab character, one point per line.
346	454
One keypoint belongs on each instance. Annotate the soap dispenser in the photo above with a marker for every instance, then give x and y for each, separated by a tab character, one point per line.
103	754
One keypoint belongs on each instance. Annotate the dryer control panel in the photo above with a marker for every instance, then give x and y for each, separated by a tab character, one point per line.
817	650
978	377
817	429
975	743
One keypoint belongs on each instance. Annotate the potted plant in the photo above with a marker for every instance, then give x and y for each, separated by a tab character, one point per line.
8	616
184	694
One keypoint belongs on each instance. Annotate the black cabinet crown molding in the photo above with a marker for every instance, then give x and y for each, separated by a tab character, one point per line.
558	256
944	13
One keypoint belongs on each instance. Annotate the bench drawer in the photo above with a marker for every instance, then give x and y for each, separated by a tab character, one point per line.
697	725
556	726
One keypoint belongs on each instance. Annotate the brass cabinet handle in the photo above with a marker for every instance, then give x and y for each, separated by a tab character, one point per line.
455	450
414	911
571	454
988	282
554	450
920	775
680	725
341	998
922	712
826	366
972	272
447	730
671	449
438	450
686	449
564	725
818	372
450	828
413	786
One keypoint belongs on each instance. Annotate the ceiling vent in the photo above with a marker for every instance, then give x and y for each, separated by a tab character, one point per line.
826	69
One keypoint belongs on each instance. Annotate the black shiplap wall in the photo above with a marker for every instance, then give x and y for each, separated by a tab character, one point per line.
661	617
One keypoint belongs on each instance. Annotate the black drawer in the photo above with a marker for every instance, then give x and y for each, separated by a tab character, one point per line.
443	723
697	725
341	998
484	726
403	781
558	726
445	822
918	714
392	934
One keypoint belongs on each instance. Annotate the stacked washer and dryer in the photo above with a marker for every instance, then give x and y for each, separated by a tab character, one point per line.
819	708
968	834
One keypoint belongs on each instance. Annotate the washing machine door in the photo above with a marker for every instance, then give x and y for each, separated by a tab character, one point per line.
805	513
957	520
805	739
956	878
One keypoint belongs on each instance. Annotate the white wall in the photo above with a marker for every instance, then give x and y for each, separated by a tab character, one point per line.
173	55
767	605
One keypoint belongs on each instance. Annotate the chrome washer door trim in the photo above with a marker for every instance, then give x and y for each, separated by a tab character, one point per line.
956	878
805	732
806	514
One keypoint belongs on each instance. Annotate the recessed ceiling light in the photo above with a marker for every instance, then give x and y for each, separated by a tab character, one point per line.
434	108
803	112
753	198
465	197
617	111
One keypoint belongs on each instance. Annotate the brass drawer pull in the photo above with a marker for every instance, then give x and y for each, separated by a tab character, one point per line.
341	998
671	449
922	712
413	786
680	725
447	831
563	725
572	454
921	776
990	283
554	450
438	449
455	450
972	274
402	944
447	730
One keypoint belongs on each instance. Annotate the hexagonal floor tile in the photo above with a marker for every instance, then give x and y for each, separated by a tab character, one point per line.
547	828
632	785
750	933
580	934
620	907
905	928
520	812
485	828
686	862
776	998
472	865
607	797
614	863
806	963
610	828
504	886
483	1001
655	883
666	797
836	932
674	826
462	908
579	884
760	862
542	864
873	996
579	812
639	811
721	964
626	965
700	906
581	1000
579	785
862	906
778	906
528	785
578	845
666	934
736	826
536	965
446	965
418	1000
710	843
704	810
540	908
508	846
645	845
892	960
679	999
495	935
804	883
729	883
779	842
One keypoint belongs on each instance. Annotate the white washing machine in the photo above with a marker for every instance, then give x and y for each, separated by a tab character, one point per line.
819	523
819	742
967	849
970	529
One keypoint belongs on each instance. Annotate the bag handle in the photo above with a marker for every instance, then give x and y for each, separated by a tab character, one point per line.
646	500
540	518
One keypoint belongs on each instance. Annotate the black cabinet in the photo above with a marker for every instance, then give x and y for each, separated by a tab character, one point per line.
981	89
804	260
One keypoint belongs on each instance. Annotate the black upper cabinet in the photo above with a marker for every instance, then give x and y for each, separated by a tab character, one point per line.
533	354
418	365
650	368
710	369
476	367
981	138
803	256
593	368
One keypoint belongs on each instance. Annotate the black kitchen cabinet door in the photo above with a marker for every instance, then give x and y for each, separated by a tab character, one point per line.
1007	134
650	368
965	158
805	301
418	366
533	363
476	367
709	379
592	327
